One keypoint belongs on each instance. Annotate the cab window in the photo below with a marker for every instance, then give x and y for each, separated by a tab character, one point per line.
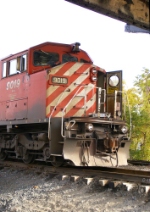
12	67
41	58
15	66
21	63
24	62
4	69
69	58
84	61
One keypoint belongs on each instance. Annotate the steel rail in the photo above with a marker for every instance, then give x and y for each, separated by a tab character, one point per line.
121	174
139	162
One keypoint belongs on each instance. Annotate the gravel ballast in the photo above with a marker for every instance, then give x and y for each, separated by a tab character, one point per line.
23	190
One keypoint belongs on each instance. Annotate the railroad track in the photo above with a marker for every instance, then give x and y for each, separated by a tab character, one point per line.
112	176
139	162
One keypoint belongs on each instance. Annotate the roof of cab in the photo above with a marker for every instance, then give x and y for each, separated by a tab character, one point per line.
39	45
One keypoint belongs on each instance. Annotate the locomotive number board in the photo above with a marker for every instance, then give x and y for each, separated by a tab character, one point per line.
58	80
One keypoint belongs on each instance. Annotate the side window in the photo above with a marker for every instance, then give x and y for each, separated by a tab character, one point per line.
21	63
4	69
12	67
18	65
24	63
15	66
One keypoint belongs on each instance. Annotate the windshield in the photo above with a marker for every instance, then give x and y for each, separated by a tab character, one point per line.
69	57
41	58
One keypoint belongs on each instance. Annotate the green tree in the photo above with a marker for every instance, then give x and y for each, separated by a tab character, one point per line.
139	100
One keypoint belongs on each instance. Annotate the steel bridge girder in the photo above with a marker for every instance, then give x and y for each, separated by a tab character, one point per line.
135	12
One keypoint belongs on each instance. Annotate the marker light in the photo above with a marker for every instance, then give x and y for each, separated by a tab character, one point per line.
118	113
89	127
124	129
94	79
94	71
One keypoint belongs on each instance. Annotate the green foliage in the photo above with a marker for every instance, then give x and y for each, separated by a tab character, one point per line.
139	100
140	154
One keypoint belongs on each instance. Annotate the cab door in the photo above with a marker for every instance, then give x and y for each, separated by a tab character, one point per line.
114	93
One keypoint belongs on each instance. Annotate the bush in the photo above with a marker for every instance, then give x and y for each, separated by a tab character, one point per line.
143	154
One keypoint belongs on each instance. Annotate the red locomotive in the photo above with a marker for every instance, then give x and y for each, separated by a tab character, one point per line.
56	106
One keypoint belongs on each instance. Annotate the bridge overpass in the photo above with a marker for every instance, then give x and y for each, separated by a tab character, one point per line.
132	12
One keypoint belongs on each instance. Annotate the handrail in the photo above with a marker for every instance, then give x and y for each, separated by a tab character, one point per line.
128	107
99	99
104	99
62	124
85	86
53	112
129	114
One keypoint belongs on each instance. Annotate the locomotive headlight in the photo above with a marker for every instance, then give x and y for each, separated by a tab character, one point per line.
94	78
124	129
94	71
89	127
118	113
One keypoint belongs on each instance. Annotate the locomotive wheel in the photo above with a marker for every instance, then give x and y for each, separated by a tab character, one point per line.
3	156
57	162
29	159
